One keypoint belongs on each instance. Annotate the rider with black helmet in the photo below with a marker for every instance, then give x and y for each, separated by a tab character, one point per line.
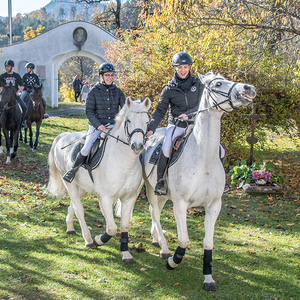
182	95
102	104
29	79
15	79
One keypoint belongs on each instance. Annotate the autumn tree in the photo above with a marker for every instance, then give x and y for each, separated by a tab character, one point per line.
143	60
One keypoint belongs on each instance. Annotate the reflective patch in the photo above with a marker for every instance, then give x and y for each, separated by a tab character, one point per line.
193	89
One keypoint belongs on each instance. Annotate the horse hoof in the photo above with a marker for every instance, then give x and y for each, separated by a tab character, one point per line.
210	286
90	246
33	150
129	261
155	244
27	144
95	244
165	255
13	155
168	266
71	232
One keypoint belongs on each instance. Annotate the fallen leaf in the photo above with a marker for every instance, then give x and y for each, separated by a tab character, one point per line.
176	284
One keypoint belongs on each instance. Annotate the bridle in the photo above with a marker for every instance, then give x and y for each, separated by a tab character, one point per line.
6	103
130	134
35	107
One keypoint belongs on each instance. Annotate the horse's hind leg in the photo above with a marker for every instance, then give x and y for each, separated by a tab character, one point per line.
1	147
70	219
30	135
211	215
156	230
75	195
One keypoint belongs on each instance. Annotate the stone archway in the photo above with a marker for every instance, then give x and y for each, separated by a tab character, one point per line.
50	49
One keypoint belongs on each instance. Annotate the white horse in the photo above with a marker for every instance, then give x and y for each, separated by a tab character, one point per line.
119	175
198	177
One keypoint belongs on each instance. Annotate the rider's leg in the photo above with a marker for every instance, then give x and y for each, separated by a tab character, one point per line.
24	109
170	135
92	134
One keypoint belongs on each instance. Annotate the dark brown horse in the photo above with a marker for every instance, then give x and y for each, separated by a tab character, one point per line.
10	120
36	106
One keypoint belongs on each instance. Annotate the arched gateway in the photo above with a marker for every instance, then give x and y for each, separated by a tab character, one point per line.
50	49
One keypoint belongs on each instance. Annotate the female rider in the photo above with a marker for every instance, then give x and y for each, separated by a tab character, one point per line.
102	105
182	95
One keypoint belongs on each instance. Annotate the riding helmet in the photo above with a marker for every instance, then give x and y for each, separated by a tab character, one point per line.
30	65
9	62
106	67
181	58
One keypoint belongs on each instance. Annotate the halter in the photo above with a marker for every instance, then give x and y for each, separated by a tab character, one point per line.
30	98
136	130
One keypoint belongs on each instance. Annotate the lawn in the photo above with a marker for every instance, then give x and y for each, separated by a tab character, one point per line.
257	238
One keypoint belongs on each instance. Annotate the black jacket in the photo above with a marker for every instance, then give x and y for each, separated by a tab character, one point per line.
103	103
178	101
77	85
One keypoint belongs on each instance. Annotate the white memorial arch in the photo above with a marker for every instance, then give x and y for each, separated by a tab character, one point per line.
50	49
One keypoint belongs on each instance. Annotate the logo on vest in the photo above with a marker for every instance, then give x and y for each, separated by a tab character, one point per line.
193	89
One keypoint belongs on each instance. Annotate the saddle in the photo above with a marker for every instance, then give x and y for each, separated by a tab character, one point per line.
176	149
95	156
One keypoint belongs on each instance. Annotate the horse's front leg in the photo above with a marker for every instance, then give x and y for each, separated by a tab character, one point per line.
75	195
1	147
37	133
8	145
25	136
106	206
21	135
155	208
179	208
211	214
126	211
15	143
30	135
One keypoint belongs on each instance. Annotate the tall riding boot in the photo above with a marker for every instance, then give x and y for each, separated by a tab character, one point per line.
160	188
70	175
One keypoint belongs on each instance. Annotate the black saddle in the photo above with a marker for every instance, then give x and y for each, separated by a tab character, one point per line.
95	156
176	153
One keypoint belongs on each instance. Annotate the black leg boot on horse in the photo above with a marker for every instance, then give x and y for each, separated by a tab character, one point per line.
70	175
161	188
24	109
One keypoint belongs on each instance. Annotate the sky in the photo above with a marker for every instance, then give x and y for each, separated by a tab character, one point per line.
21	6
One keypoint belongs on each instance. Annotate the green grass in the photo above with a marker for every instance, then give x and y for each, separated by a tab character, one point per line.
256	253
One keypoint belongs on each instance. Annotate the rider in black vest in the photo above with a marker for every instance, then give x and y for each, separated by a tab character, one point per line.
181	96
102	104
15	79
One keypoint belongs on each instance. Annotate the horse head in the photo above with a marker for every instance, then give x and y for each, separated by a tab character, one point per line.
225	94
36	96
134	117
8	96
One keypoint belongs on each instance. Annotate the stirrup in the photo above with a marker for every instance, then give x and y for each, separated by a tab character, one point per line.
69	176
24	125
160	188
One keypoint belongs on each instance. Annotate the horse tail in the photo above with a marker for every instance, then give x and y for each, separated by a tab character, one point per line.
56	187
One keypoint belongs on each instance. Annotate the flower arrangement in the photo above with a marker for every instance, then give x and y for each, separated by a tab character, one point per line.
262	174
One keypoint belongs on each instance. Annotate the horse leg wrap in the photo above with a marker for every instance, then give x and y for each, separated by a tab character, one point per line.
178	255
124	241
105	237
207	262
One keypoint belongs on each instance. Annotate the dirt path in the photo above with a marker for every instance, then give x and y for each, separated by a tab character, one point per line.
66	111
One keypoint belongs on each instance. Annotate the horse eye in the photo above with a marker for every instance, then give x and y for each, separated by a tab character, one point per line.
219	83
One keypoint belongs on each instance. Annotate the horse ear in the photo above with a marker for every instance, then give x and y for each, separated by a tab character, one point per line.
10	84
147	103
128	102
200	76
41	86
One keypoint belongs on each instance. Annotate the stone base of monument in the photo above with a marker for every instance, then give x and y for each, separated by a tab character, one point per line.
252	188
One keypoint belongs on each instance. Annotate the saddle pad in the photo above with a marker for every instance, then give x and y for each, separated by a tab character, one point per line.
175	155
93	160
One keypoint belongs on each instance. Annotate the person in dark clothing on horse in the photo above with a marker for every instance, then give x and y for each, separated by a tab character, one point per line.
103	103
181	96
77	85
16	81
31	79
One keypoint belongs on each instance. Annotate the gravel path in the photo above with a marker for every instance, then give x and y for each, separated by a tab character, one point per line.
66	111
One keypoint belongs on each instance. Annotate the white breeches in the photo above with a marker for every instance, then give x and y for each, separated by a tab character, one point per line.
169	138
91	137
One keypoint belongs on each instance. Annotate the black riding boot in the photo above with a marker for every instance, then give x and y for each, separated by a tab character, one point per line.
160	188
70	175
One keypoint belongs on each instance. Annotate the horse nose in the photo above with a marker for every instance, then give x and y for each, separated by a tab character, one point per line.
137	148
